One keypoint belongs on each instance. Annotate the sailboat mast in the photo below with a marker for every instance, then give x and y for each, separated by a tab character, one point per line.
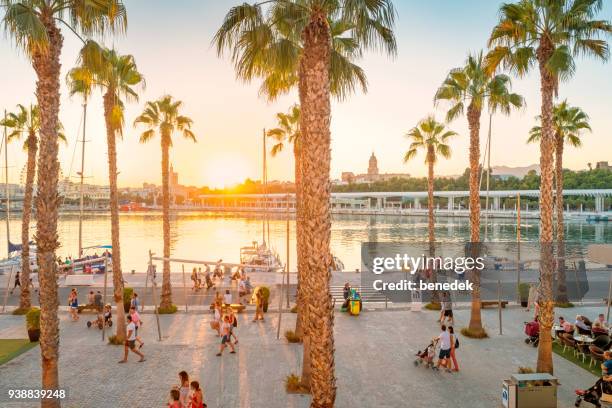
263	181
7	192
82	177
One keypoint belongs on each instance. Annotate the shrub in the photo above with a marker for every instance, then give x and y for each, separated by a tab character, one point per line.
33	319
127	298
20	312
265	295
293	385
114	340
167	310
433	306
474	334
564	305
292	337
294	309
524	291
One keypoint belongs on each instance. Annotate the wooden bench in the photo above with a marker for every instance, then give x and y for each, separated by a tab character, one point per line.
485	303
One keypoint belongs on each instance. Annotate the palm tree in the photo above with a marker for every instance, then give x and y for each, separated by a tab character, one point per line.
288	131
116	76
473	86
568	123
549	34
35	28
255	35
432	137
272	52
163	116
27	121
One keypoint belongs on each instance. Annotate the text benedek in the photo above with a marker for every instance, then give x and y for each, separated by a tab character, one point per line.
410	285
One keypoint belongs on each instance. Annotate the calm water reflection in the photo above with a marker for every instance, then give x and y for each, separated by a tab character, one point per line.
210	236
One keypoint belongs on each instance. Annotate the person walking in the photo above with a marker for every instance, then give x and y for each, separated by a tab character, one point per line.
137	322
73	303
130	342
17	282
134	301
445	349
447	309
225	339
454	346
259	314
233	324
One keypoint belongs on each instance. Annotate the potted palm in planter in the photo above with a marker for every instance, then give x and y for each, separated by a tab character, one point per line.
33	324
524	293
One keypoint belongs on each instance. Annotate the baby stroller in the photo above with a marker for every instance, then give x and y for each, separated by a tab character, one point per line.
426	357
99	322
532	330
600	395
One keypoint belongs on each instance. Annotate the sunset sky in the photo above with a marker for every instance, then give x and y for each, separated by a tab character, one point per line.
171	42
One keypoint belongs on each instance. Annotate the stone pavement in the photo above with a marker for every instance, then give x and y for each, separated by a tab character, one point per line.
374	355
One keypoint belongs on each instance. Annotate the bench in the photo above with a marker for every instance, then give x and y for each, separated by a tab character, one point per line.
368	295
486	303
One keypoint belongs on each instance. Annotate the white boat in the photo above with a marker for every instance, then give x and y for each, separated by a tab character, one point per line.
260	258
13	262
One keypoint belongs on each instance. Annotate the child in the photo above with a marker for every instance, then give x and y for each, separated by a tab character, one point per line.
138	322
197	396
108	315
225	340
174	399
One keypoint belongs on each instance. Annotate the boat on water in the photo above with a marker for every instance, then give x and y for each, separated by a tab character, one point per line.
259	258
13	262
597	218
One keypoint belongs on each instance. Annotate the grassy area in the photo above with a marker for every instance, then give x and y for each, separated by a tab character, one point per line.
569	355
11	348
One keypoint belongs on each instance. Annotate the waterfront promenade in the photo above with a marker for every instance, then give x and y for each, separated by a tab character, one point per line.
374	355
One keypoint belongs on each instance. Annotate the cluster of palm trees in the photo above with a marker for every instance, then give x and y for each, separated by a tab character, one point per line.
311	46
35	27
291	43
549	34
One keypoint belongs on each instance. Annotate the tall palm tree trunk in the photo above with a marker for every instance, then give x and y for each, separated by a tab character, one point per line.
32	144
166	295
109	103
435	298
547	312
314	92
299	322
473	116
47	66
561	294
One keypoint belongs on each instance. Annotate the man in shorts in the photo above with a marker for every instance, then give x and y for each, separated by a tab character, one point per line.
445	349
130	342
226	336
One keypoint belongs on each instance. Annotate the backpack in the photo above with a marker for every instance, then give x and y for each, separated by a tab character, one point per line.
456	342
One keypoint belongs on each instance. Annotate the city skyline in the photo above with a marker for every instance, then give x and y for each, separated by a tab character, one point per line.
181	61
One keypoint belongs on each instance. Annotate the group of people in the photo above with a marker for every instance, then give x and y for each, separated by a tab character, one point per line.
201	280
224	322
188	394
583	325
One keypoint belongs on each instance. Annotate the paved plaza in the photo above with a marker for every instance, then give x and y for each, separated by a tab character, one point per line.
374	355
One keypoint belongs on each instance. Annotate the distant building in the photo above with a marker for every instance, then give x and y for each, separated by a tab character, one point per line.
603	165
372	175
72	191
